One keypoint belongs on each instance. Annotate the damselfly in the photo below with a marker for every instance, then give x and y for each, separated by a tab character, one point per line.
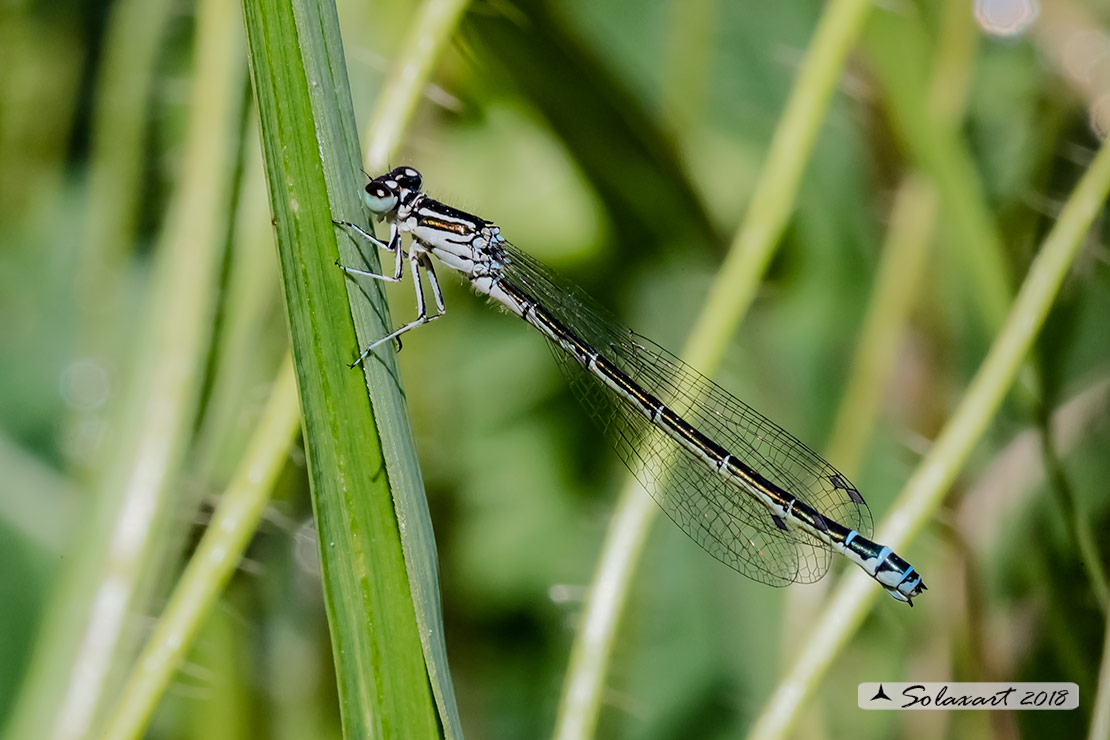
747	491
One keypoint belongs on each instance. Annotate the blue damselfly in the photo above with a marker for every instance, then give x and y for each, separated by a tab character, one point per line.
747	491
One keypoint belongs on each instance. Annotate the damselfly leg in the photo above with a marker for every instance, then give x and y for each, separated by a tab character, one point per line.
394	246
418	260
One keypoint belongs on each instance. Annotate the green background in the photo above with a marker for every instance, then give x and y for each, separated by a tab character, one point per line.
619	142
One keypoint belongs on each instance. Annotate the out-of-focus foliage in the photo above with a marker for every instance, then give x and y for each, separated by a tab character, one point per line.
617	141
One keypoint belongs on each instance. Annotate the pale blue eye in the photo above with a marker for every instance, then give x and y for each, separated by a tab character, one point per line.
380	200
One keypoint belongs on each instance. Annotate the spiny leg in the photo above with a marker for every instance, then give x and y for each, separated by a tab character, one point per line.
367	235
394	245
416	261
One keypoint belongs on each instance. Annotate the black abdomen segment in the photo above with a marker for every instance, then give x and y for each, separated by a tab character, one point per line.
693	441
892	572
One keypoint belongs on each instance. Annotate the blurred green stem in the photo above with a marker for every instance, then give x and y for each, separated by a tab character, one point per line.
433	27
775	193
907	243
39	94
131	46
929	483
45	518
1076	518
897	44
233	523
1017	472
690	47
251	306
912	224
225	639
732	292
953	64
1060	24
77	658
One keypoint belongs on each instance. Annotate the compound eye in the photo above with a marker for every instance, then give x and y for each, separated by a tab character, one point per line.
408	177
380	198
413	178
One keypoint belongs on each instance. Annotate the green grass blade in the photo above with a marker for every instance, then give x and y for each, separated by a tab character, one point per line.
359	457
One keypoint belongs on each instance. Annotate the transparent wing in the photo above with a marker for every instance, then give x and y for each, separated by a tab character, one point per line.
729	526
722	518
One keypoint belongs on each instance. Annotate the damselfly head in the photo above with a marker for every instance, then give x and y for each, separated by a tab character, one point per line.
382	195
